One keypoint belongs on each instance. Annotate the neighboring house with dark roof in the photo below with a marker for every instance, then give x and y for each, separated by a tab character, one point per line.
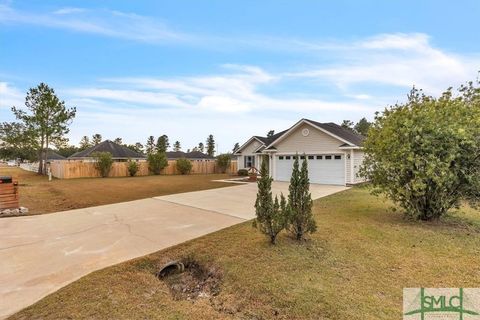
52	155
193	155
119	152
334	153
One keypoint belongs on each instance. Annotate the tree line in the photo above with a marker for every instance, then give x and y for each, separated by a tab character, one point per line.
42	125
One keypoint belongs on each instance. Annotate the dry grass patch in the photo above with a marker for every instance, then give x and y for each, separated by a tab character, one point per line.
42	196
354	267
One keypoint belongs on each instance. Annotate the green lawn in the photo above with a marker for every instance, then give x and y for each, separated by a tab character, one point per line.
354	267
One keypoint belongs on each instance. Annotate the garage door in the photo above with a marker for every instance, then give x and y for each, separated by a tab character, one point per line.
322	168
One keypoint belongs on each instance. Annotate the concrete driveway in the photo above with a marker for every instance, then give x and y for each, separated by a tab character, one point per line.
40	254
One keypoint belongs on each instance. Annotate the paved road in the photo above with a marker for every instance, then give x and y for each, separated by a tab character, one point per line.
40	254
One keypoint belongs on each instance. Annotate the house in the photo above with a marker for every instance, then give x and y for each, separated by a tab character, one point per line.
334	153
52	155
193	156
119	153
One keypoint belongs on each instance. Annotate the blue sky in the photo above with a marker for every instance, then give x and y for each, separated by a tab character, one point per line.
230	68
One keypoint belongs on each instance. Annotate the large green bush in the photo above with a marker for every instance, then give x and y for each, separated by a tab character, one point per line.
223	162
157	162
425	154
103	163
184	166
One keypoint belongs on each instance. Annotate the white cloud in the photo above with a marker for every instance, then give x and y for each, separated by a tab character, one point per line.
402	60
102	22
69	10
10	96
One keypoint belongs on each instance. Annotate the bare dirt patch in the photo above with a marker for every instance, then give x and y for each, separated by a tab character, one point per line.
198	280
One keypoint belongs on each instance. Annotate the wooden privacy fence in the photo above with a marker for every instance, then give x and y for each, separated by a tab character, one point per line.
64	169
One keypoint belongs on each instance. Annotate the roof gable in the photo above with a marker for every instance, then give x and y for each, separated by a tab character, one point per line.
332	129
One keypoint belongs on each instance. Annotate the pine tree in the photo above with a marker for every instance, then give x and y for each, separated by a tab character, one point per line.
236	147
210	146
84	143
96	139
176	146
47	119
271	216
118	140
300	221
162	144
150	145
201	147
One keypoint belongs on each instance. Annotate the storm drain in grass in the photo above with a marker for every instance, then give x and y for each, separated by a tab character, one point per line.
189	279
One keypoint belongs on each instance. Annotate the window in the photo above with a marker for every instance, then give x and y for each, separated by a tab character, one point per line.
249	161
319	157
338	157
302	157
287	157
280	158
328	157
311	157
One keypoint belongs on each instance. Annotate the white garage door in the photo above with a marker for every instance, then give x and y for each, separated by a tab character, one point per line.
322	168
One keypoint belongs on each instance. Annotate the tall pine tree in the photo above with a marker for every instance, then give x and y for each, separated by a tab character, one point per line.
300	221
162	144
47	119
210	146
150	145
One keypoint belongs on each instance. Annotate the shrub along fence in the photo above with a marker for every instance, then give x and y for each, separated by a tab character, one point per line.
65	169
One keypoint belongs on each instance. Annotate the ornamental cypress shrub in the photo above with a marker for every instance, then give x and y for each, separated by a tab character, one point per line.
271	216
300	217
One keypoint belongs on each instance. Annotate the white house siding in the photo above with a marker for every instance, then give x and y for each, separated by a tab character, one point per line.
358	159
315	142
248	151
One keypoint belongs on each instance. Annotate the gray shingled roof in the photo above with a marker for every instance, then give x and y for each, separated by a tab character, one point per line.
348	135
194	155
52	155
117	151
268	140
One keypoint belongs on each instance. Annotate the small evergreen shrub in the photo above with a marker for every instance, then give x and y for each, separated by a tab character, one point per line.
242	172
157	162
184	166
132	167
300	220
271	215
103	163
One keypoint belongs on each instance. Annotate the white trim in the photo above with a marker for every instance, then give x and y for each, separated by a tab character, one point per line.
262	145
310	153
345	167
283	136
350	147
352	159
246	144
